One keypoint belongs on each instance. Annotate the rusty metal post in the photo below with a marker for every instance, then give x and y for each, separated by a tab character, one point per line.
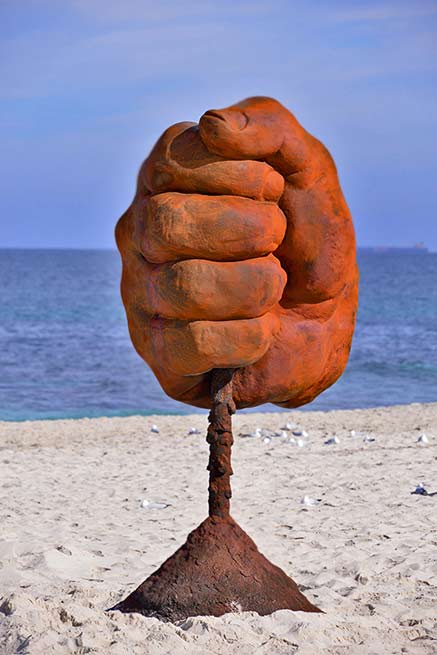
220	441
219	567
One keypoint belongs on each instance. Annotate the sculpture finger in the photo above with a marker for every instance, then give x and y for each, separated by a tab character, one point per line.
224	228
318	251
192	348
257	128
181	162
204	290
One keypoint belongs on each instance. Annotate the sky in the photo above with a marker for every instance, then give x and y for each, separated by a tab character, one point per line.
87	87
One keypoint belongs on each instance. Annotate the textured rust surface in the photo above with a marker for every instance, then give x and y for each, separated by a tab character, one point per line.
220	441
219	568
238	251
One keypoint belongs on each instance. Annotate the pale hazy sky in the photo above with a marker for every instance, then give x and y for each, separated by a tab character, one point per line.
87	86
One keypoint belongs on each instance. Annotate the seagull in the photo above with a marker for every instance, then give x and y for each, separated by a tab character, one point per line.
150	504
289	426
306	500
423	439
256	433
154	428
300	433
331	441
300	443
420	490
193	431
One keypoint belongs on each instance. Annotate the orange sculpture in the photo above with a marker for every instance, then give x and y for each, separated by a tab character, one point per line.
238	253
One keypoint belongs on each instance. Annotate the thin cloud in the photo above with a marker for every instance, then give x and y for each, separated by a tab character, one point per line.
383	12
156	12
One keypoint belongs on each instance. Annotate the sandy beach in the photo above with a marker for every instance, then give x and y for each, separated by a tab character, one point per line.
76	537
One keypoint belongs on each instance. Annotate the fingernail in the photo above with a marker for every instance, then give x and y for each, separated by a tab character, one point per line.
234	119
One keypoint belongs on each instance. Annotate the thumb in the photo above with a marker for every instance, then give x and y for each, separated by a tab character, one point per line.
259	128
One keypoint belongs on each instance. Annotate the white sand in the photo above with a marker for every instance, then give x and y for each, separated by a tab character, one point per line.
74	538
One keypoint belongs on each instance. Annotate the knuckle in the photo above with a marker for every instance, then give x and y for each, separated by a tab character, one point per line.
123	230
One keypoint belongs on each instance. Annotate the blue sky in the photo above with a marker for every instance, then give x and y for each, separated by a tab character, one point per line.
87	86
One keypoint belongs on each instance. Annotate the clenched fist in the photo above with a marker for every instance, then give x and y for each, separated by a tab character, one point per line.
238	252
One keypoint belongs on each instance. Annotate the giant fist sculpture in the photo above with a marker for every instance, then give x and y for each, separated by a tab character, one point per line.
241	287
239	251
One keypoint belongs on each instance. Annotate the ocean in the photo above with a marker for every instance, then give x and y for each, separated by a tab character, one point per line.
65	350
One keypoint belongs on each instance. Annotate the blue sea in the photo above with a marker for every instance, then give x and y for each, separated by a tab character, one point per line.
65	349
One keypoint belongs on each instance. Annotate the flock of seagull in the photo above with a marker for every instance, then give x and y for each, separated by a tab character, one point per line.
293	434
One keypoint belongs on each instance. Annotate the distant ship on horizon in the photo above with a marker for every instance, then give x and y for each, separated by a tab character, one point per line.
417	249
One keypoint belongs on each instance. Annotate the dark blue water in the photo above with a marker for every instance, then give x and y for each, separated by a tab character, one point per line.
65	349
